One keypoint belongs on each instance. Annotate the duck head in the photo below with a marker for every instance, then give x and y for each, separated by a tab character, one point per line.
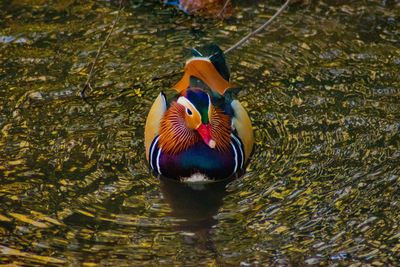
198	106
192	118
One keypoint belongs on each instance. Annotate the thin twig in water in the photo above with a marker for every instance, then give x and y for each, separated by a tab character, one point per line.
244	39
223	8
91	73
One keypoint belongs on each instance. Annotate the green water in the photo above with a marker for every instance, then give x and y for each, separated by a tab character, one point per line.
322	87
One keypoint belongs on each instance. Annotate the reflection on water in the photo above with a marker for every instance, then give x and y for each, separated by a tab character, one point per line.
195	203
321	87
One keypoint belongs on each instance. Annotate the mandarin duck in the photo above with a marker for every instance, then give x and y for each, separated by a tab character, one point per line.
203	133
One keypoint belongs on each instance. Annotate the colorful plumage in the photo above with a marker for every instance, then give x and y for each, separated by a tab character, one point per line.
203	132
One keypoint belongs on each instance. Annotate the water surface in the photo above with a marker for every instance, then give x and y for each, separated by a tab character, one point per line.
322	89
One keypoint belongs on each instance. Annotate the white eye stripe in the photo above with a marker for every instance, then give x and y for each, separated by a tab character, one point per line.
186	103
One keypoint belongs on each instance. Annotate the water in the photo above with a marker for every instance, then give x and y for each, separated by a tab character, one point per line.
321	86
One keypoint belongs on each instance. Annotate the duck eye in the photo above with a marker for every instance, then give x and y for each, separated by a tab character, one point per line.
188	111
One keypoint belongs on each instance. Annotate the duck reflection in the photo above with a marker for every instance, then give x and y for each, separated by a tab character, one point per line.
195	203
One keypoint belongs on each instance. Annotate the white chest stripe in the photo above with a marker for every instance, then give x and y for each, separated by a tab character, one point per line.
152	148
158	161
236	159
240	149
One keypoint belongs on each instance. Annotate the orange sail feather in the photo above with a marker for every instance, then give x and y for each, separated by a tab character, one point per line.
204	70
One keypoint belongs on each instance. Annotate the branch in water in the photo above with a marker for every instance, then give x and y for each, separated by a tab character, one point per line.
91	73
223	8
244	39
169	75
